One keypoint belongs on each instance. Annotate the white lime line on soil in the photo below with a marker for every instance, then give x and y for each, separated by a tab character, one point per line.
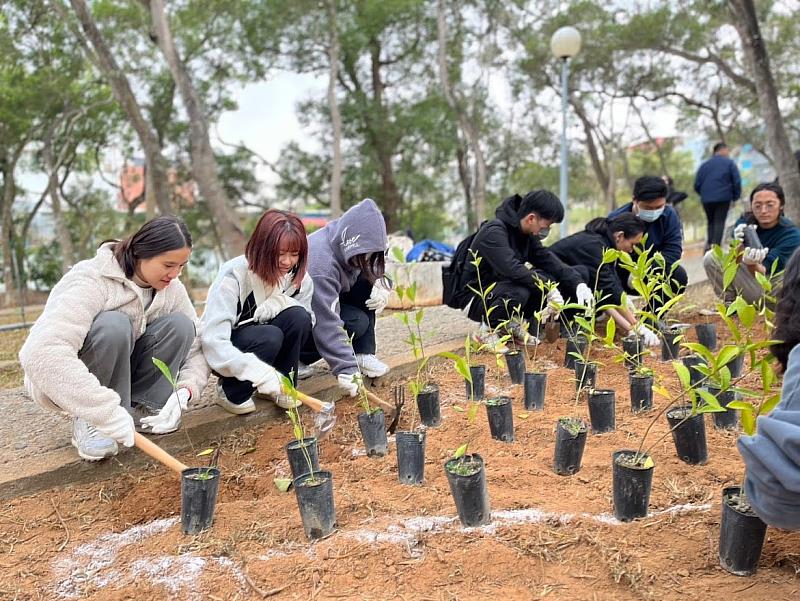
94	566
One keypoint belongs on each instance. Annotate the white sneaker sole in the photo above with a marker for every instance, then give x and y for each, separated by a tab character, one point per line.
86	457
243	409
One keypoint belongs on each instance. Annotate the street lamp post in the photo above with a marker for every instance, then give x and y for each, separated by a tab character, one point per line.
565	43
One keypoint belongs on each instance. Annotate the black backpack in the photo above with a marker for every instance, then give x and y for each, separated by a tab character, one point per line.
455	293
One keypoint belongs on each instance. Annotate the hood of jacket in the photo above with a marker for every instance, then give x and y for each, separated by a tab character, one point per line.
361	230
507	211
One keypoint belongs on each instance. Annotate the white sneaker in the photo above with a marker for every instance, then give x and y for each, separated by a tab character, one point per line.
371	366
241	409
304	371
91	445
489	339
284	401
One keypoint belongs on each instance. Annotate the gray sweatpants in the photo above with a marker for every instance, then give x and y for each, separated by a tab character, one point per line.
125	365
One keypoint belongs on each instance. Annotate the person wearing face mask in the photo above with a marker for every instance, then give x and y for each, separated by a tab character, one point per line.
584	251
512	258
777	235
663	231
258	314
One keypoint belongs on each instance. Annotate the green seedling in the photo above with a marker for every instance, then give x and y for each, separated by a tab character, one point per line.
363	399
297	424
412	321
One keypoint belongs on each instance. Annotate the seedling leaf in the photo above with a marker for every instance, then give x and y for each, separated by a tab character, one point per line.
282	484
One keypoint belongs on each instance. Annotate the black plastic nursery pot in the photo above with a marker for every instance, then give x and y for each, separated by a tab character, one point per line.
707	335
500	412
534	387
576	344
410	457
570	442
315	499
736	366
728	419
478	374
741	535
467	480
602	404
632	483
634	348
515	362
430	412
585	375
641	392
691	362
689	435
199	487
566	329
300	452
373	431
670	347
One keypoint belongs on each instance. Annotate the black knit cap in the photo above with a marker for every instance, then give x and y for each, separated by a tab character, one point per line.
649	187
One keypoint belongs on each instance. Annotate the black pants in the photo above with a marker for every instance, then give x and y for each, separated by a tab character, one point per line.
502	301
359	322
276	343
716	213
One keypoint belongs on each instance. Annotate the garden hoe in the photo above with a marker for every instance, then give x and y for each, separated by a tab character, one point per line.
156	452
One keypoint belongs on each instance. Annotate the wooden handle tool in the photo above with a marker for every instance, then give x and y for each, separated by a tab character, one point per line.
156	452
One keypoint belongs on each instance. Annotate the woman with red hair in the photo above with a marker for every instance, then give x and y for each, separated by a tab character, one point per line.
258	314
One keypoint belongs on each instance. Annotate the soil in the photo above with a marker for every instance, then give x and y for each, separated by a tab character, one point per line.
550	536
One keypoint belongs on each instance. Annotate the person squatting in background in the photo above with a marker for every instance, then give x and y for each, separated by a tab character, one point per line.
90	352
772	456
512	258
258	314
664	234
346	262
584	252
777	235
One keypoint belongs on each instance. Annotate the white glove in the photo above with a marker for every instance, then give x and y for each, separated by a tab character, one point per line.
629	302
585	296
378	297
267	311
271	385
119	426
350	383
754	256
649	336
169	418
554	301
738	232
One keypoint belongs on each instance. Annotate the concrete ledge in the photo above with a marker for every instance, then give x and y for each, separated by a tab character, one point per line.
62	466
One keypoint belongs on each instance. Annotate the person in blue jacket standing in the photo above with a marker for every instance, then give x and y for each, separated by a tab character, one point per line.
663	230
772	456
718	183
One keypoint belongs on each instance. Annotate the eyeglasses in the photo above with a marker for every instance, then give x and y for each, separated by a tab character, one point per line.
767	206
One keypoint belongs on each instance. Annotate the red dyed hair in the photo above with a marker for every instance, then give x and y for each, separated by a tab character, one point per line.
276	230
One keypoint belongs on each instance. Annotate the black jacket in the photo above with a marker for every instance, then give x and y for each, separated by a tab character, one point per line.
504	249
586	249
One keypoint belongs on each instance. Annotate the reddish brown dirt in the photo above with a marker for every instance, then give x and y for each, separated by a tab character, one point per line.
109	540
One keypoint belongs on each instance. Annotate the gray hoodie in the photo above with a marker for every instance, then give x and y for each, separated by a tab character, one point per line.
772	456
361	230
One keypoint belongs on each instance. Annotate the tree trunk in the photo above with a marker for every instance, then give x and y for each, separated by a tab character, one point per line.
383	146
156	164
9	193
466	184
204	164
746	23
594	155
336	117
62	232
467	125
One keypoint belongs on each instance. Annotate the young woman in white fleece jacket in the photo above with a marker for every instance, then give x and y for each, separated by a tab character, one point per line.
258	314
90	352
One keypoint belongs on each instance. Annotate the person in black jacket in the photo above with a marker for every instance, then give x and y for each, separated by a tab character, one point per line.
512	258
584	251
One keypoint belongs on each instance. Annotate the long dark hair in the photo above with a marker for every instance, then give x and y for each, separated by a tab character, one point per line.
627	223
372	265
771	187
274	230
787	326
155	237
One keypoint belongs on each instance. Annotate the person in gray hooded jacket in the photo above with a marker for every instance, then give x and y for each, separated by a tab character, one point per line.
346	263
772	456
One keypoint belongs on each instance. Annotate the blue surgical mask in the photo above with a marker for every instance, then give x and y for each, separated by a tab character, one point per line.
650	215
543	233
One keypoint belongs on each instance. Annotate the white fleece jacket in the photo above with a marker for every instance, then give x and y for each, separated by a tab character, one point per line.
224	304
54	375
